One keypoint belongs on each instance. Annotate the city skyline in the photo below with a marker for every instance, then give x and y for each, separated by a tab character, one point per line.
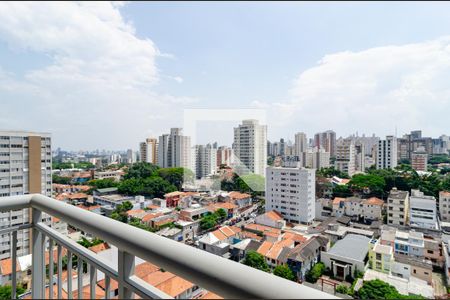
77	81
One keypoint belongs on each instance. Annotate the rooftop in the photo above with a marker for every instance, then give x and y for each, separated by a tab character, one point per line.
352	246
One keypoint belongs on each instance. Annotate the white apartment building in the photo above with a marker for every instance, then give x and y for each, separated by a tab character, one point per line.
205	160
444	206
301	143
422	211
315	158
25	168
387	153
149	150
291	191
174	150
131	157
345	156
397	208
250	147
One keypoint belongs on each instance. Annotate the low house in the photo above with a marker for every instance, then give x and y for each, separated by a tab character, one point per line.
271	219
335	232
381	256
193	213
171	233
240	199
358	208
189	229
239	250
406	267
229	207
218	242
305	255
136	213
347	256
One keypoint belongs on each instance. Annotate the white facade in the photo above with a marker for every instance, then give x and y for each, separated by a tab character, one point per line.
387	153
301	143
205	160
422	211
25	168
345	157
315	158
174	150
250	146
291	191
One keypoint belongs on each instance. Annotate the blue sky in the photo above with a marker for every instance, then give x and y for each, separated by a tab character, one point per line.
108	75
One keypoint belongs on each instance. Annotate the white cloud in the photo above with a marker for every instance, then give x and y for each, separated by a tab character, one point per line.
373	91
178	79
100	84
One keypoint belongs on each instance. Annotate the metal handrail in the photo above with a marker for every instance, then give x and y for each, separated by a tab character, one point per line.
219	275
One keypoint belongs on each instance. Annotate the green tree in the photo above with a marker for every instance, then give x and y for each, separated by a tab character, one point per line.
6	291
60	179
221	214
141	170
342	191
255	260
208	221
342	289
176	176
367	183
285	272
103	183
152	187
120	212
378	289
315	272
330	172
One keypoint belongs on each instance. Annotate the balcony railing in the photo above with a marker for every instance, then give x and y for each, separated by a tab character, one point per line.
226	278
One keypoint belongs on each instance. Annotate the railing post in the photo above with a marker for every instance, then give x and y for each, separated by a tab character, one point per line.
38	281
125	270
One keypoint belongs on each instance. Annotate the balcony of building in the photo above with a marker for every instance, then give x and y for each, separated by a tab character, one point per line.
55	277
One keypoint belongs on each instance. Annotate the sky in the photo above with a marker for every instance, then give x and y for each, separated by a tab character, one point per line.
101	75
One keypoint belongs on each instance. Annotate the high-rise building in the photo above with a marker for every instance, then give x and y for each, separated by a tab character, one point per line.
250	147
149	151
205	160
131	157
345	156
360	158
301	144
387	153
419	159
397	208
315	158
326	140
25	168
174	150
224	156
282	147
444	206
291	191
